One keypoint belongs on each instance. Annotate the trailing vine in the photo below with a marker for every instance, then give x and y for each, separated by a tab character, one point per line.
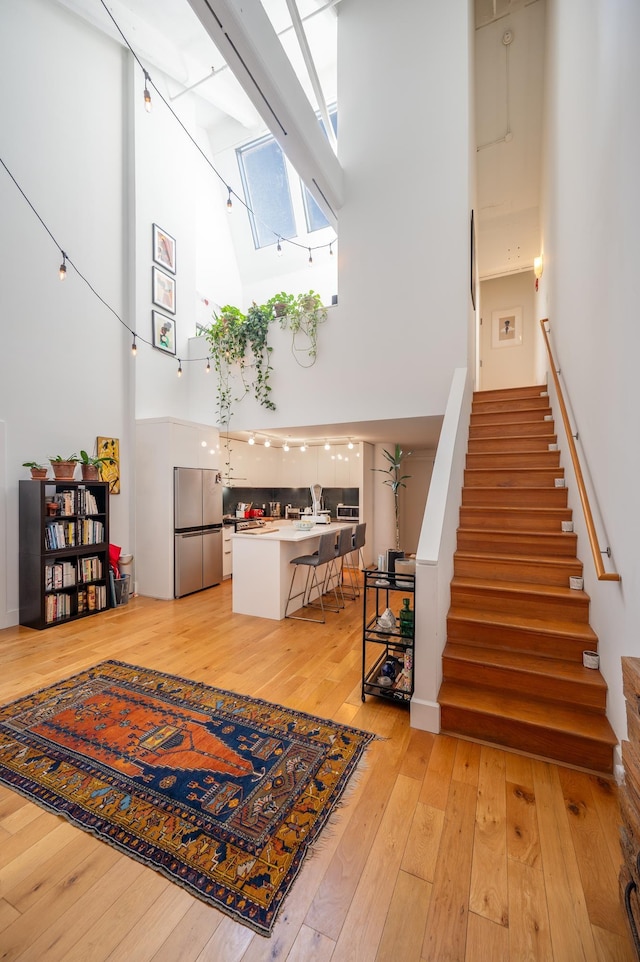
301	314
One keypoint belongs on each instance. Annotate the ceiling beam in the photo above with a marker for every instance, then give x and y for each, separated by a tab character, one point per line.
243	34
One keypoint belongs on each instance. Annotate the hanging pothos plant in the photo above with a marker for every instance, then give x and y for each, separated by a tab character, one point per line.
239	341
301	314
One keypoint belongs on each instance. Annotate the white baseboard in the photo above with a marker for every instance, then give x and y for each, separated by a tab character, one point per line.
425	715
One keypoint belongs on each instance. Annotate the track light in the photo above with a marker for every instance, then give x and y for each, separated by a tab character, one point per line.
62	270
229	201
147	95
134	346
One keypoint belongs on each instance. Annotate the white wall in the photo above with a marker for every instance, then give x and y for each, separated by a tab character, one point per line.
589	286
515	365
63	378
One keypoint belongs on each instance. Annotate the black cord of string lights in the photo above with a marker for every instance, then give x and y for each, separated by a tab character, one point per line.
279	238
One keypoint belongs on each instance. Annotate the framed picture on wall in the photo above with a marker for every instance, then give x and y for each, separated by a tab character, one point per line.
506	328
110	470
163	292
164	332
164	249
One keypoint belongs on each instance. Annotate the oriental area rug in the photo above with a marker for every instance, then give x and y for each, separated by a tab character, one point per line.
221	793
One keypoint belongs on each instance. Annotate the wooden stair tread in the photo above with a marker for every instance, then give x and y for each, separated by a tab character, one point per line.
530	711
517	587
533	390
552	626
527	662
537	559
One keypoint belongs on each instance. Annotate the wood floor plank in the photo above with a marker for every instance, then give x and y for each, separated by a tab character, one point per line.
406	827
446	931
570	927
489	897
362	929
529	932
486	940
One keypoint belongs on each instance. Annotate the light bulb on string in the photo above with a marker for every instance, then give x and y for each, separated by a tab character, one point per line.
331	248
252	440
147	95
350	445
279	249
207	369
310	257
179	368
62	270
303	448
134	346
267	443
229	201
327	446
285	446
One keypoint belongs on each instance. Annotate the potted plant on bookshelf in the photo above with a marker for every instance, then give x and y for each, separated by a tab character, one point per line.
90	467
38	471
64	469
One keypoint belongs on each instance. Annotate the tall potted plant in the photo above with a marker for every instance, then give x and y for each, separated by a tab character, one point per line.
395	480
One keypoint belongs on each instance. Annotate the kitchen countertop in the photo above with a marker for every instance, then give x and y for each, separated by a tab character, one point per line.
286	531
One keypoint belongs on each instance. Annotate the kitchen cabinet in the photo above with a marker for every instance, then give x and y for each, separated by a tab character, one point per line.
387	649
227	551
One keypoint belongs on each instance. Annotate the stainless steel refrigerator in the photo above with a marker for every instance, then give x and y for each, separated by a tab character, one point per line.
197	513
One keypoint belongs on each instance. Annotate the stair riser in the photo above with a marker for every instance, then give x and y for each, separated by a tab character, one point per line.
546	608
512	478
498	445
515	497
514	520
508	405
517	544
514	459
508	393
519	429
546	687
510	417
548	644
527	738
510	569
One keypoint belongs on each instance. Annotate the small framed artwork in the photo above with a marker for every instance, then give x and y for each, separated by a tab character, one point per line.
164	332
506	327
163	292
164	249
110	470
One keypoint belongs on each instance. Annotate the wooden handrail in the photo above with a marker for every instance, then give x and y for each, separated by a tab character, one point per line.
586	507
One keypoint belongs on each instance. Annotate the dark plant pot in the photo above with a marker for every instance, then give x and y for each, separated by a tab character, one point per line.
90	472
64	470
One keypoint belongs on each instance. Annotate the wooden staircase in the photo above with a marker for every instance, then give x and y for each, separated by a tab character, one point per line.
512	665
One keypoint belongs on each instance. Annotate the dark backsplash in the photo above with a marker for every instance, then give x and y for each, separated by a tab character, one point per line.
296	497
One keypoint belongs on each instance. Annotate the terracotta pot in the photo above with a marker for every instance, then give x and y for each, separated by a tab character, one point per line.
90	472
38	473
64	470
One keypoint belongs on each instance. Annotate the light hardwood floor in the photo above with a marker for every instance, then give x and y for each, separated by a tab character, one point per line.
445	849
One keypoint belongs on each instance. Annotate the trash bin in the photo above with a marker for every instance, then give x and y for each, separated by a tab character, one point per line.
121	586
125	565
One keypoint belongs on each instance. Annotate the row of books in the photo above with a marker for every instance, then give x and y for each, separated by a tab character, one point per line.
65	574
78	501
92	598
69	534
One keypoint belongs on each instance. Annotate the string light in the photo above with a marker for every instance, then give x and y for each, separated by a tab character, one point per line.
179	368
350	445
327	446
252	440
134	346
331	248
267	443
229	201
285	446
279	249
207	369
310	257
303	448
147	95
62	270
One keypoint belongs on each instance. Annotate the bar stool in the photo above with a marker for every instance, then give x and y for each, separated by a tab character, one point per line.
323	556
336	568
359	538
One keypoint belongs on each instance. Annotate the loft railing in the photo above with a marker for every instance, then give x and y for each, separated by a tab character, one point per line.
582	490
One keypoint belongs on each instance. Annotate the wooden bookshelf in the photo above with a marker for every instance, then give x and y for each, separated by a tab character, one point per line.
64	551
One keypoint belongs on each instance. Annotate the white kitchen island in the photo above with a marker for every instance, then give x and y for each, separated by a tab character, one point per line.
262	567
